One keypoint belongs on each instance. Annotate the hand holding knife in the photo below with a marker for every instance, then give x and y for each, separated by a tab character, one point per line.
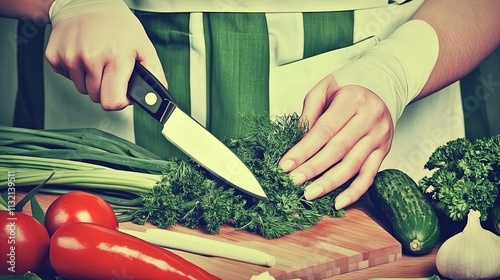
188	135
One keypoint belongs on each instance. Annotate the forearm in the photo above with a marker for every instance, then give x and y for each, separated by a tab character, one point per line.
468	32
35	10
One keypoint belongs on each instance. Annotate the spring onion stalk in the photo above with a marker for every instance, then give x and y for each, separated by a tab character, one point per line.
124	161
101	179
33	142
87	159
30	171
203	246
88	145
15	161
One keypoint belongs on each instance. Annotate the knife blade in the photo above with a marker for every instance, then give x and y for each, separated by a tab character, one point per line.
188	135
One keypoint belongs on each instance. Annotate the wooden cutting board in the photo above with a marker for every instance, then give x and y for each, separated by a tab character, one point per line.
332	247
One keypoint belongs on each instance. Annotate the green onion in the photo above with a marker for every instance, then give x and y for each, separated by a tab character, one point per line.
90	137
129	181
15	161
86	159
88	145
31	171
109	159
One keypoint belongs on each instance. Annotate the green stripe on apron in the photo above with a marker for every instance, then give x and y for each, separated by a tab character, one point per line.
475	118
30	100
239	70
237	50
324	32
170	33
478	90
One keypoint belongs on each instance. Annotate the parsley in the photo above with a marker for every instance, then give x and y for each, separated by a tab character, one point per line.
188	196
466	176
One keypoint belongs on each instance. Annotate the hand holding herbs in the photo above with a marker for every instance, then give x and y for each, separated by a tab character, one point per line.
188	196
172	191
466	175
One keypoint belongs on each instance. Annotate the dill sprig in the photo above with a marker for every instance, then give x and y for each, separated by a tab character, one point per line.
187	195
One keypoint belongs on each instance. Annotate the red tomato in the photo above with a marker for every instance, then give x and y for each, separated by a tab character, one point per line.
24	243
90	251
79	206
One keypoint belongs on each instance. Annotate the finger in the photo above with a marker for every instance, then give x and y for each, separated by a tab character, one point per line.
68	65
115	77
61	70
362	182
77	75
53	58
343	171
324	129
321	94
332	152
56	64
315	103
93	78
93	84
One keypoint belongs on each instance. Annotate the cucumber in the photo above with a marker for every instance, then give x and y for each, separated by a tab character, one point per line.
412	218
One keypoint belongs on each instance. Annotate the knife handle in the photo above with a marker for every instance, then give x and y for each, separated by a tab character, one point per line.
147	92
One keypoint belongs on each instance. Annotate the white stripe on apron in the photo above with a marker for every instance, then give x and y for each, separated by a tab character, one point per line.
198	69
286	37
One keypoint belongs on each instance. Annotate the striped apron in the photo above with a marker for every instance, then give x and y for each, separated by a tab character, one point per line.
258	56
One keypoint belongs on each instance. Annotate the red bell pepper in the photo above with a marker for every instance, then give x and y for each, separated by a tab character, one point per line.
90	251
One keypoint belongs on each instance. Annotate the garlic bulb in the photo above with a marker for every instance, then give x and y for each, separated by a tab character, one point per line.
473	253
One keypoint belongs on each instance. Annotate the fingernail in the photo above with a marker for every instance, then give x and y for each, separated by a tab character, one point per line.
311	192
287	165
298	178
342	202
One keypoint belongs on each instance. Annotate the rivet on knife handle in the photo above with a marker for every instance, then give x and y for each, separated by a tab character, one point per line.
146	91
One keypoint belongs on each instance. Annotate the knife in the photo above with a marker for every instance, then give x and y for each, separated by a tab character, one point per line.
188	135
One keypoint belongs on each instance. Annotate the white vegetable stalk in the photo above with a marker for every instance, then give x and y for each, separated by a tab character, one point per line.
203	246
473	253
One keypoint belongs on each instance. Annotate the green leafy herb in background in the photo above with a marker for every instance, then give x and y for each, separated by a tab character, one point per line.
189	196
466	175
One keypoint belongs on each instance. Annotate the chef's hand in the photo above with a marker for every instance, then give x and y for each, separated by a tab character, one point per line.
350	133
95	44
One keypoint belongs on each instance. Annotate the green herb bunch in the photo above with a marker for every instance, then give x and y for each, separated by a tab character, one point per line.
189	196
466	176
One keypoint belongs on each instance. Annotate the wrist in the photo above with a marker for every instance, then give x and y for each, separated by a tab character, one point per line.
397	68
42	14
26	10
63	9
